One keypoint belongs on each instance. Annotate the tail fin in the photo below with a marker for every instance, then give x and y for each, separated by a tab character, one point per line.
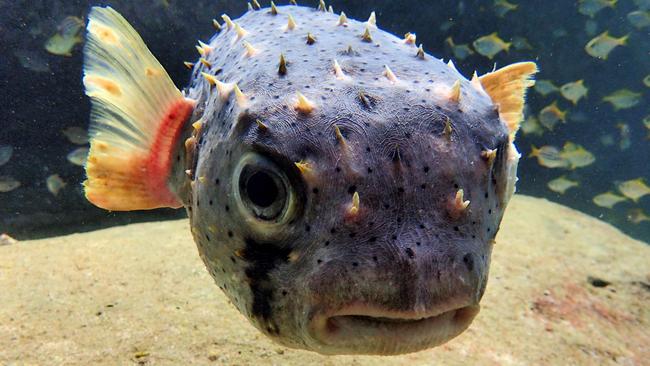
507	88
136	119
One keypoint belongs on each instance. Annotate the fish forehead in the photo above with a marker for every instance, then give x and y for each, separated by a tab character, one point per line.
369	109
310	67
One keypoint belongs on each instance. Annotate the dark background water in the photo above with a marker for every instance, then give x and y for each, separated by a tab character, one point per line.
36	105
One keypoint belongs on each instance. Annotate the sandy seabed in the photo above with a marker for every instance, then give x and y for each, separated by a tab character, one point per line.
564	289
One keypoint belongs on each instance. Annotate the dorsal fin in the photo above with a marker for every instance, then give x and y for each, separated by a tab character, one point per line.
507	89
136	119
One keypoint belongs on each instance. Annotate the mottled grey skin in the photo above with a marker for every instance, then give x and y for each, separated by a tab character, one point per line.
404	256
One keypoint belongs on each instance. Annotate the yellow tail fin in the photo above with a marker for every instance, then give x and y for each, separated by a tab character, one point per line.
136	119
507	89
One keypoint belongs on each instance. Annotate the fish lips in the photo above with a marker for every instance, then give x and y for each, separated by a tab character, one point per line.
363	328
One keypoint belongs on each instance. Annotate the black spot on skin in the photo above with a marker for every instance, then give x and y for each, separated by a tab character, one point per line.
262	259
352	189
230	234
410	253
469	262
315	190
355	264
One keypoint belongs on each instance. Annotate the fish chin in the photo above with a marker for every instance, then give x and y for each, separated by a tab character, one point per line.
362	329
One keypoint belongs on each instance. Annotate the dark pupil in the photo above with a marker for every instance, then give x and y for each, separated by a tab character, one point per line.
261	189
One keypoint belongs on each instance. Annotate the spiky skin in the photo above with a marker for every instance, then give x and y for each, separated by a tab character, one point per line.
409	248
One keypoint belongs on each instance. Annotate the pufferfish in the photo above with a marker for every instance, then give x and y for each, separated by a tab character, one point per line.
343	187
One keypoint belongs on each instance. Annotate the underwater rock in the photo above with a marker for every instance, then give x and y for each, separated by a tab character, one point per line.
139	293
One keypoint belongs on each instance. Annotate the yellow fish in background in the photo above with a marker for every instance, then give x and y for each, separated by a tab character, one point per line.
545	87
634	189
608	199
55	184
8	184
576	155
591	27
503	7
646	80
639	19
624	132
531	126
67	36
642	4
601	45
76	135
548	156
591	7
78	156
637	216
625	139
561	184
646	123
551	115
6	152
490	45
607	139
521	43
460	51
623	99
574	91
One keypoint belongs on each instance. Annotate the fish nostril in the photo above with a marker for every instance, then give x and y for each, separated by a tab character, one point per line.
468	259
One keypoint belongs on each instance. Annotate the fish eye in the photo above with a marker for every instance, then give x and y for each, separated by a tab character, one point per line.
264	190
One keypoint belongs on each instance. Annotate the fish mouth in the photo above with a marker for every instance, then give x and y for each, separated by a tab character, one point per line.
367	329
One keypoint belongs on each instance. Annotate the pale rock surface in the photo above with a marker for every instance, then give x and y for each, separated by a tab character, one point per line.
139	294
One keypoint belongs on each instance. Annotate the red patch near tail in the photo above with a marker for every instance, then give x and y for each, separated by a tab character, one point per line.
122	180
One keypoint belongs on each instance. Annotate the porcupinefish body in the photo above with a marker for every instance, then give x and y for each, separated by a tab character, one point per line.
344	188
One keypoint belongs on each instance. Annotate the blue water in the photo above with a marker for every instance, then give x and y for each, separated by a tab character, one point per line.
42	93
